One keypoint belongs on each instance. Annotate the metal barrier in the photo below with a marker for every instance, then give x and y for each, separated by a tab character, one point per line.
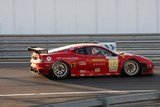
15	46
117	101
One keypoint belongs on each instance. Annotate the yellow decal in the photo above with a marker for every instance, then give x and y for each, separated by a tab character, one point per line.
113	64
73	65
98	60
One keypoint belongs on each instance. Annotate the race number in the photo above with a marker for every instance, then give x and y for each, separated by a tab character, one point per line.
113	64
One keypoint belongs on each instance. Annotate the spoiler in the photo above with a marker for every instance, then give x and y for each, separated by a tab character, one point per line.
38	50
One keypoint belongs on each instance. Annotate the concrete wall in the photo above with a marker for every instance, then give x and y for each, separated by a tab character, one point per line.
79	16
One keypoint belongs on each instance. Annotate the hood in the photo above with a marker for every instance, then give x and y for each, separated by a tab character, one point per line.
125	53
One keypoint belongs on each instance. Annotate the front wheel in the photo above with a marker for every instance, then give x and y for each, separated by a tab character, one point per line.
131	68
60	70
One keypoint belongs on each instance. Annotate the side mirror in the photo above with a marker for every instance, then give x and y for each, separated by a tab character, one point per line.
122	54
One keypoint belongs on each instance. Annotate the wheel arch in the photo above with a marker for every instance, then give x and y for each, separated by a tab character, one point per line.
134	59
68	65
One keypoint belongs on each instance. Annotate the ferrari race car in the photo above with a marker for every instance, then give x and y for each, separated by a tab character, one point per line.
87	59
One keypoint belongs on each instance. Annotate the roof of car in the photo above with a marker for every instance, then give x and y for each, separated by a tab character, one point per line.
83	44
72	46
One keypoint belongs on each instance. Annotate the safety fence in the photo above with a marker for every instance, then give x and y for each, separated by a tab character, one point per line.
15	46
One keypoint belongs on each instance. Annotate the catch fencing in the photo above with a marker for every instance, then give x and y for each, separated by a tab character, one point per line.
15	46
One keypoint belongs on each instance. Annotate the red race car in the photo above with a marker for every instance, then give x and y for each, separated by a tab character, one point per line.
87	59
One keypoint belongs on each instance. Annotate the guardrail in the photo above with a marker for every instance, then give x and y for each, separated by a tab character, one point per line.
15	46
111	101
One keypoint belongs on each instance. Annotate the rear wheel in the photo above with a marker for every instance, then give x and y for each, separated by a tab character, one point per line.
60	70
131	68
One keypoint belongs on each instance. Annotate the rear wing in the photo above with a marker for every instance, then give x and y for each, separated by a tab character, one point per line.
38	50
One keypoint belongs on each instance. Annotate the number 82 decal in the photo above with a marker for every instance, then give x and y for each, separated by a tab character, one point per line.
113	64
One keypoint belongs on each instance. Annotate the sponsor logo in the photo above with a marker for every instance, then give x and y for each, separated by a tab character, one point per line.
98	60
73	64
97	69
82	63
117	73
82	74
108	74
73	75
98	63
67	58
48	58
99	74
113	64
82	71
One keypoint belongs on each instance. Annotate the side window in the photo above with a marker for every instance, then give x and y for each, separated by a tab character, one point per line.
93	51
80	51
106	52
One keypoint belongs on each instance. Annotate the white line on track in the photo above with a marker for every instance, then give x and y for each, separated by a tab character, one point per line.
83	92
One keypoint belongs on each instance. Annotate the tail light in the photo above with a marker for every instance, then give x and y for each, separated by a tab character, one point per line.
36	58
41	58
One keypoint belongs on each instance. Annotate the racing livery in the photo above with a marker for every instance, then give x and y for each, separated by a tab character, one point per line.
87	59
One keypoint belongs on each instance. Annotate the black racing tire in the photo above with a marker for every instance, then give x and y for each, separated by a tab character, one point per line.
131	68
60	70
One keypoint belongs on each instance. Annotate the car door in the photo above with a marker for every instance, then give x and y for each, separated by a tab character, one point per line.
81	67
96	61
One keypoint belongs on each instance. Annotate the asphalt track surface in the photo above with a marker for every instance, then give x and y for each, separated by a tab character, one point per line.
19	87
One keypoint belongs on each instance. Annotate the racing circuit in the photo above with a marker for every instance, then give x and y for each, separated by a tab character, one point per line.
19	87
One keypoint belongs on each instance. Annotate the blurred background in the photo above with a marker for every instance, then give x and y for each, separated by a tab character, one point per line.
79	16
54	23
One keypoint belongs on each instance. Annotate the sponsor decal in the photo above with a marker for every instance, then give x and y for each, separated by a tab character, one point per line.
108	74
73	75
98	63
72	58
98	60
58	58
117	73
67	58
82	74
99	74
113	64
82	71
73	64
82	63
97	69
48	58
